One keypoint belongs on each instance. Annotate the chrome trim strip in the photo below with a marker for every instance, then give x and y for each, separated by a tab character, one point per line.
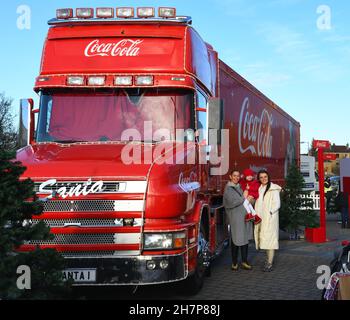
128	284
129	205
127	238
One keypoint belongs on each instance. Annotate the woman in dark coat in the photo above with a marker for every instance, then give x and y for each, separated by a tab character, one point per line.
342	202
241	231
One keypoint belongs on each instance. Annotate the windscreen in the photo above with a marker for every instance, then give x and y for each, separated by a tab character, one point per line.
106	115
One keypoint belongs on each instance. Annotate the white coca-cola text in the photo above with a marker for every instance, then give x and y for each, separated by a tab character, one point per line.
122	48
255	131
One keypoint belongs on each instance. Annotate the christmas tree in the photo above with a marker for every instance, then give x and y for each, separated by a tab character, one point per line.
18	203
296	209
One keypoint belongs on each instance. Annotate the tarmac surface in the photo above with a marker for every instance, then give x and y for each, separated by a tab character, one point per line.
294	276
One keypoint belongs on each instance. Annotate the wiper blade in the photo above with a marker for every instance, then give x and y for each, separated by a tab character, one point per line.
67	141
150	141
141	141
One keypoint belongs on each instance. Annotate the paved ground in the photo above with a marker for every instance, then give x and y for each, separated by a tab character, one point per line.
294	277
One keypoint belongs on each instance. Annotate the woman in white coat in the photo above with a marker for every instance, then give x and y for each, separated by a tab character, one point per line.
267	207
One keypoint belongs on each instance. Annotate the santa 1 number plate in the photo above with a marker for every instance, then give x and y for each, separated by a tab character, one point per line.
80	275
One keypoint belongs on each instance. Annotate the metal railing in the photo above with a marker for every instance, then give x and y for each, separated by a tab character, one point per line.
314	197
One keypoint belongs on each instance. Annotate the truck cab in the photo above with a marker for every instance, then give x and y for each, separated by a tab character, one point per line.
139	124
126	101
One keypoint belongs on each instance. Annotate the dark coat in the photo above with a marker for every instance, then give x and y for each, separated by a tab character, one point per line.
342	201
241	230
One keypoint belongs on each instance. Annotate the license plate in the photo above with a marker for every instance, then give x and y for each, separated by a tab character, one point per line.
80	275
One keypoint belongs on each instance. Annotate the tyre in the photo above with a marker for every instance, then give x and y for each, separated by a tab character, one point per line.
194	283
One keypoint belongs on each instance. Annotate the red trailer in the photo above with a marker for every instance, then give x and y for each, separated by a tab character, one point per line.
148	210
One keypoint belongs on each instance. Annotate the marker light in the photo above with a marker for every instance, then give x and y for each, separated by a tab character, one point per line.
43	79
145	12
123	81
66	13
97	81
75	80
144	80
167	12
179	240
85	13
125	12
105	13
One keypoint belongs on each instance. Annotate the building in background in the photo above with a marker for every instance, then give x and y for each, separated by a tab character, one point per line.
332	168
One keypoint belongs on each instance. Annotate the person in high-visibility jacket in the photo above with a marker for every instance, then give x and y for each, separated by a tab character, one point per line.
328	191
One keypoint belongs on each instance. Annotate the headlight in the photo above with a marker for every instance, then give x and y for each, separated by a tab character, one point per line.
158	241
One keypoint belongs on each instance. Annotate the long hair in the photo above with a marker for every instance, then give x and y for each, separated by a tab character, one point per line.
269	180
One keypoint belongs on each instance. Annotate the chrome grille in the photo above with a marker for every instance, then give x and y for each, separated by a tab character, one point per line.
88	253
79	205
100	238
82	222
55	223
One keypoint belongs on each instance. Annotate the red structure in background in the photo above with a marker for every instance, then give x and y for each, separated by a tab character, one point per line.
319	235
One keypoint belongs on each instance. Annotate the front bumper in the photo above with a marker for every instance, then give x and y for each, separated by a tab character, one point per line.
131	270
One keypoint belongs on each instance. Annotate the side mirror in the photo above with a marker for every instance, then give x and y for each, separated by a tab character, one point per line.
26	123
215	120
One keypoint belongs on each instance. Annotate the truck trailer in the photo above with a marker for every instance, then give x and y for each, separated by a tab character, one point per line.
133	106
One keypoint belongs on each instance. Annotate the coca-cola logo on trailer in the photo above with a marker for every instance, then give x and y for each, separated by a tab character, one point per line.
122	48
255	131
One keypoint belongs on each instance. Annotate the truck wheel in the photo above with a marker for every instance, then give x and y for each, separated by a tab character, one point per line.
193	284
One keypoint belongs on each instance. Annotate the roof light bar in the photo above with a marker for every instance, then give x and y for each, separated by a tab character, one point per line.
125	12
144	80
123	81
66	13
97	81
165	12
105	13
145	12
85	13
75	80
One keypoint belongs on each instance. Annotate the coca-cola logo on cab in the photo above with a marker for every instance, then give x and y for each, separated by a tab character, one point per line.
255	131
122	48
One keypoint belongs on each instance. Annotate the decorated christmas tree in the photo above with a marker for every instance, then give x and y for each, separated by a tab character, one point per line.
18	203
296	208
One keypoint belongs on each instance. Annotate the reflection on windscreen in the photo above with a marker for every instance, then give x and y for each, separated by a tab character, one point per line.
104	116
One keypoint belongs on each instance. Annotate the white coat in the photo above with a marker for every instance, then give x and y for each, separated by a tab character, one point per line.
267	232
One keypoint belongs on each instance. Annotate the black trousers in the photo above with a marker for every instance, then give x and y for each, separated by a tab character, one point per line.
235	250
345	216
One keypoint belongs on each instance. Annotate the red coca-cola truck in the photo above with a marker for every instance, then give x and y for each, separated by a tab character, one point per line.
138	127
